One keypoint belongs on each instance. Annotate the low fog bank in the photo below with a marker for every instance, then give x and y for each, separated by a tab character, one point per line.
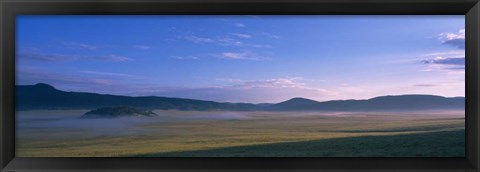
55	120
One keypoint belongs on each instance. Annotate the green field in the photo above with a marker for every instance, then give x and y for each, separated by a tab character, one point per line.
59	133
446	143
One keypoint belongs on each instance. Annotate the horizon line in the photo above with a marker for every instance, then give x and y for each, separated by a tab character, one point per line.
249	103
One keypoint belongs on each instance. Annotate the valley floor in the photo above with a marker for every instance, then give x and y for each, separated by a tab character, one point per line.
243	134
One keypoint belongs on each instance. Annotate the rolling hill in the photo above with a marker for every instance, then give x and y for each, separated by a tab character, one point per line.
44	96
115	112
400	102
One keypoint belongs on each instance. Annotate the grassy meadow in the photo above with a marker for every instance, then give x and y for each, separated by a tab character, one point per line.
60	133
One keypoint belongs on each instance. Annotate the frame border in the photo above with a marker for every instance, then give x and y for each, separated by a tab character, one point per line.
472	52
10	8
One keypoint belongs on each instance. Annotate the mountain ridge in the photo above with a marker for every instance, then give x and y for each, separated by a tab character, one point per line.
45	96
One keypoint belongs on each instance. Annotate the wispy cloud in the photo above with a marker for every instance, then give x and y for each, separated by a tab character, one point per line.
114	58
260	45
457	61
451	36
283	82
246	55
198	40
76	45
53	57
456	53
47	57
172	29
289	82
185	57
454	39
230	55
232	39
425	85
105	73
142	47
451	60
442	63
228	41
241	25
241	35
270	35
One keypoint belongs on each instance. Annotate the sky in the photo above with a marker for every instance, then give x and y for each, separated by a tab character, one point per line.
254	59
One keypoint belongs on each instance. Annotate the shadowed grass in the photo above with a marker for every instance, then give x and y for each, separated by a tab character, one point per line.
431	144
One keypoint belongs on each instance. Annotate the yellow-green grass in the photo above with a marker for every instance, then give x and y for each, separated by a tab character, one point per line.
187	131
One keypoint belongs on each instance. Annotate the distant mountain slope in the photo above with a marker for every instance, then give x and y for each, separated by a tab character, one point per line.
401	102
294	103
43	96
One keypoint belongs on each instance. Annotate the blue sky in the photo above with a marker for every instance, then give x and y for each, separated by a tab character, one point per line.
244	58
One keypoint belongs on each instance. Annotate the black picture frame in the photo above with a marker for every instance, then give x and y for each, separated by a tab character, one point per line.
11	8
